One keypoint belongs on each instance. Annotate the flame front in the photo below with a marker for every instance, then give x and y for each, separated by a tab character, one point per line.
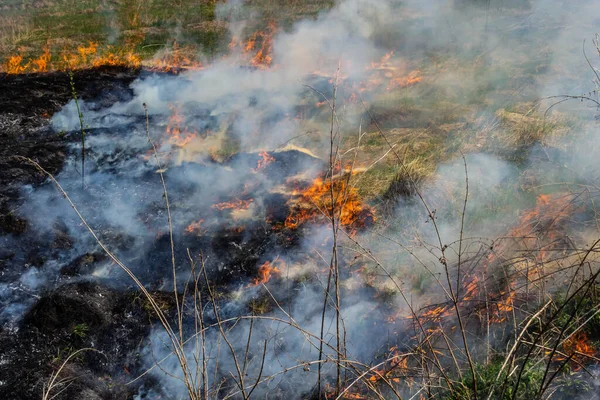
178	134
265	159
579	348
265	272
194	226
233	205
93	55
325	197
260	58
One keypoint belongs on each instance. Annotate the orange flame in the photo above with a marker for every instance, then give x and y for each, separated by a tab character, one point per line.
393	71
85	56
234	204
194	226
174	61
544	222
265	272
580	346
412	78
397	363
316	202
42	64
178	136
265	159
14	65
261	58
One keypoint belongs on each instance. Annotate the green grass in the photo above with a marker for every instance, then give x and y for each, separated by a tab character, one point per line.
487	379
144	27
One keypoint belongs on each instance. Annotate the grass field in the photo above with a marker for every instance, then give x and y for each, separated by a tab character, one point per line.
144	27
413	115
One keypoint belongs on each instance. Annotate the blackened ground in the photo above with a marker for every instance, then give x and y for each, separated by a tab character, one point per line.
74	316
26	104
77	316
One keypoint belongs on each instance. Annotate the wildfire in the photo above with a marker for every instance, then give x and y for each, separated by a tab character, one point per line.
177	135
323	197
390	70
396	362
543	222
496	312
580	346
261	56
90	56
14	65
194	226
412	78
174	61
502	307
94	55
43	62
435	314
234	205
265	272
265	159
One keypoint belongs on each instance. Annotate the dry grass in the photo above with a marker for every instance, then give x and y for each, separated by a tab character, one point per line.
146	27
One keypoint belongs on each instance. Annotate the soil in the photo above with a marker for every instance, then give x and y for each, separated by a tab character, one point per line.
77	315
73	317
72	313
26	104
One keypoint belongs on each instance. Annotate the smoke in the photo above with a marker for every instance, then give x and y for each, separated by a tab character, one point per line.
247	110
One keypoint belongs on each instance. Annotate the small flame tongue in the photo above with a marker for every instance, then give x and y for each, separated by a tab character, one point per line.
266	271
324	197
94	55
261	57
178	134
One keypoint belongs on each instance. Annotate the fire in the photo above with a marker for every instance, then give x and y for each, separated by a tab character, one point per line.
502	308
436	313
580	346
194	226
90	56
355	396
177	135
383	62
42	64
412	78
174	61
234	204
265	159
265	272
471	289
543	222
261	56
390	70
85	56
316	202
397	362
14	65
496	313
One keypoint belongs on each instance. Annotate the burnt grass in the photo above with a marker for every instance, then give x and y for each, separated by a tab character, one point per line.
73	316
26	104
75	310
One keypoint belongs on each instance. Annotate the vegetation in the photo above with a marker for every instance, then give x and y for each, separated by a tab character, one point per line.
145	28
540	340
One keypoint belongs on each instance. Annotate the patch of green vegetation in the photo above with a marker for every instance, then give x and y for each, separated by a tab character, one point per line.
145	27
81	330
581	308
489	379
260	305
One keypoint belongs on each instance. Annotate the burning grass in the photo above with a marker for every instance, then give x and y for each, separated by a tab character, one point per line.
485	292
326	197
94	55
